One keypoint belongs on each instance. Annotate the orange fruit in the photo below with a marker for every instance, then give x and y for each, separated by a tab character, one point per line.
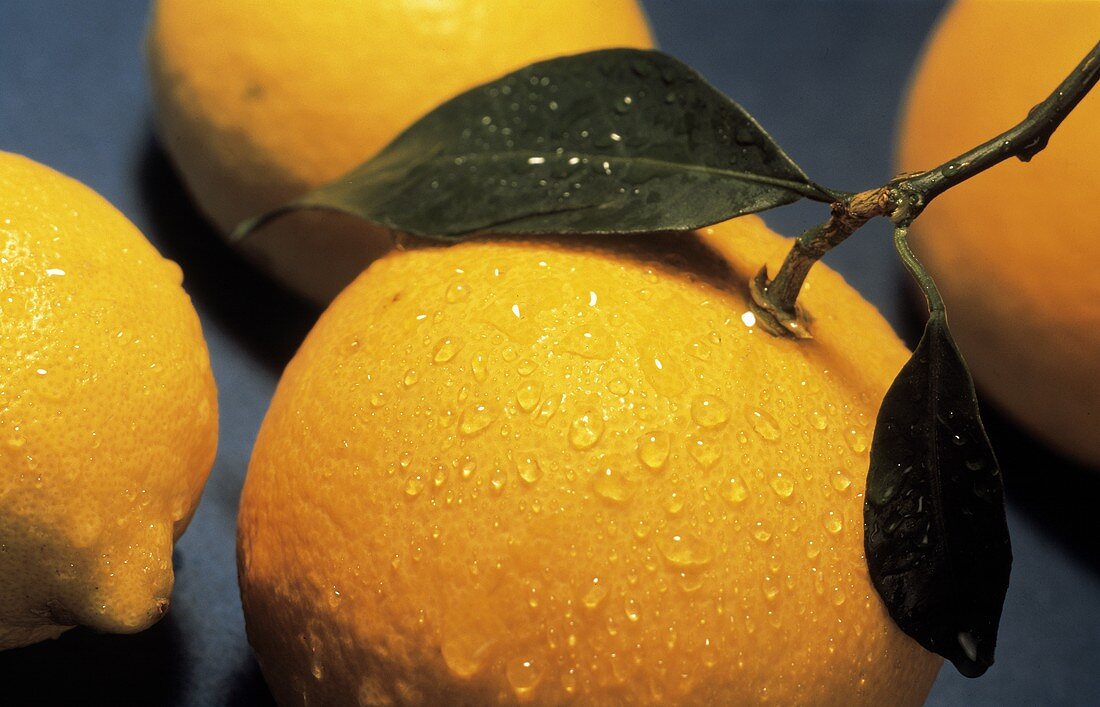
258	102
108	413
574	470
1014	250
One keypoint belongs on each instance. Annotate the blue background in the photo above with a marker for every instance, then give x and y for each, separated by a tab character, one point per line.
823	76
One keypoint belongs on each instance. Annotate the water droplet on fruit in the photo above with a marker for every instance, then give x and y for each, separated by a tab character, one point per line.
684	550
839	481
457	292
478	367
782	486
764	424
704	451
663	375
474	419
699	350
446	349
585	430
761	533
612	485
833	523
709	411
528	395
411	377
653	448
547	410
414	485
857	441
528	468
464	651
735	491
595	594
523	676
632	609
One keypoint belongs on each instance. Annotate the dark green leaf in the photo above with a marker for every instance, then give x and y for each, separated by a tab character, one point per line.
611	141
935	533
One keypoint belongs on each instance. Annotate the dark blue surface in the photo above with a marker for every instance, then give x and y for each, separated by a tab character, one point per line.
823	76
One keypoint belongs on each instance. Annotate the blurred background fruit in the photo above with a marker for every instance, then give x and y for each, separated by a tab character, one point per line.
257	102
574	469
108	412
1016	251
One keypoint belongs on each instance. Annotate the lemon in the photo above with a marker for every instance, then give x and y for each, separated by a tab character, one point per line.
108	412
574	469
259	101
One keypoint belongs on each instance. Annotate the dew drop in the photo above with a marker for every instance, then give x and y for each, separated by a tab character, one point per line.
528	395
414	485
705	452
457	292
547	410
839	481
709	411
663	375
528	468
526	367
446	349
699	349
764	424
818	420
618	386
857	441
523	676
685	550
782	486
464	651
474	419
585	430
498	480
653	448
478	367
735	491
595	594
833	523
411	377
378	399
611	485
632	609
761	533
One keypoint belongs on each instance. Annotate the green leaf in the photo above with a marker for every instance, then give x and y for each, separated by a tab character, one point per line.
611	141
935	532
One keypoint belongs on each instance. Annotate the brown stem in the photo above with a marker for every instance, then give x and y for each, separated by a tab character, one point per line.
774	301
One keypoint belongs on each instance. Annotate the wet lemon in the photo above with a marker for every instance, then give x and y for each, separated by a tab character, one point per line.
108	413
570	469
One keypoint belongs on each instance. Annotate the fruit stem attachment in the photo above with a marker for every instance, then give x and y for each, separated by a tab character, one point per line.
905	197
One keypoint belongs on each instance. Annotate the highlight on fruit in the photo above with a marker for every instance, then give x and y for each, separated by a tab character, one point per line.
621	142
